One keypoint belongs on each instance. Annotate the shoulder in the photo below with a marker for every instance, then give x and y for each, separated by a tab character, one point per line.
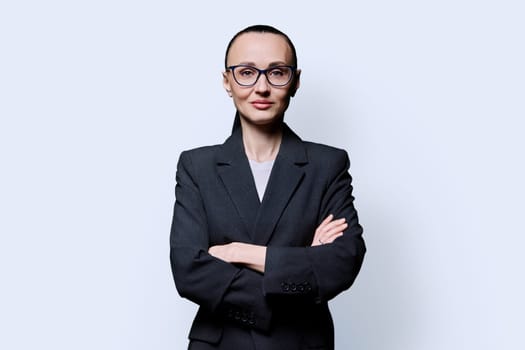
199	154
197	160
327	164
324	155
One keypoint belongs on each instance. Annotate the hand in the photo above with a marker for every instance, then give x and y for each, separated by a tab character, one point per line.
329	230
225	252
251	255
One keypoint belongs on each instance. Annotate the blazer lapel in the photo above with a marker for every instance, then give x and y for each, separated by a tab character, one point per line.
286	176
235	173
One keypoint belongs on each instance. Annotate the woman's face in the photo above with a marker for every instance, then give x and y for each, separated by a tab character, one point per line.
262	103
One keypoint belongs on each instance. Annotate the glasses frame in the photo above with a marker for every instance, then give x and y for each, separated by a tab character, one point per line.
262	71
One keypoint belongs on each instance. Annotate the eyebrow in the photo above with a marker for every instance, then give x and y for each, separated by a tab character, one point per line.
272	64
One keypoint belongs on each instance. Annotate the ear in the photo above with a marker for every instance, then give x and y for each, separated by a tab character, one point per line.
296	83
226	83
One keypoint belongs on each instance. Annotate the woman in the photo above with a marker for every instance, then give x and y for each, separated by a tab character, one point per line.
255	241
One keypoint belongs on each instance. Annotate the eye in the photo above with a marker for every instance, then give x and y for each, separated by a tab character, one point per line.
246	72
278	72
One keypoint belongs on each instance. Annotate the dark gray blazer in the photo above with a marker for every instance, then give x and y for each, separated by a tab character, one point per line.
217	203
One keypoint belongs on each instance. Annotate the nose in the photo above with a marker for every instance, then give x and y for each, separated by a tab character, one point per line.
262	85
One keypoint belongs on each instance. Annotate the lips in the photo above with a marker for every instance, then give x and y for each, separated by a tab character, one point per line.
262	104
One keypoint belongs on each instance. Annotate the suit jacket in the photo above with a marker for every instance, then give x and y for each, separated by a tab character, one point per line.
217	203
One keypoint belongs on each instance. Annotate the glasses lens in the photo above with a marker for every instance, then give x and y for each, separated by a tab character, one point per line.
245	75
279	75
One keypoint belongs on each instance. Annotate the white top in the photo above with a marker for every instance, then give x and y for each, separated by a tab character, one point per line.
261	174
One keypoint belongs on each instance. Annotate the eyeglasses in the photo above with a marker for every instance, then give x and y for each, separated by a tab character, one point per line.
246	75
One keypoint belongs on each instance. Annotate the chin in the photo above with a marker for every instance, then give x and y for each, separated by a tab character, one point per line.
262	118
264	121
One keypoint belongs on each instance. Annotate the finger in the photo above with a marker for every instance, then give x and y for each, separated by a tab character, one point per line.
322	225
340	228
333	224
333	237
335	231
213	251
218	251
326	220
317	240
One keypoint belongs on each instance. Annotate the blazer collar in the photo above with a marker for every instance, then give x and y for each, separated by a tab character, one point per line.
233	167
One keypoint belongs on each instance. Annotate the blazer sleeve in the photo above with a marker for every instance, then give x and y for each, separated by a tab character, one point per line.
321	272
217	286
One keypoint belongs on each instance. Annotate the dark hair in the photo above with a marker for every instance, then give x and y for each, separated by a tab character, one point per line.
260	28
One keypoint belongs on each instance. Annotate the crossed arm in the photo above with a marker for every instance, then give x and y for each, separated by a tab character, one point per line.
254	256
228	277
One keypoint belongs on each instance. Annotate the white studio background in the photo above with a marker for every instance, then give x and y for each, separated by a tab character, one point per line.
98	98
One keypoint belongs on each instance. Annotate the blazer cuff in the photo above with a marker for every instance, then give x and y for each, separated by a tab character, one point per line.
245	303
288	272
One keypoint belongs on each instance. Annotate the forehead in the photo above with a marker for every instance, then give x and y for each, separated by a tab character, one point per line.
260	48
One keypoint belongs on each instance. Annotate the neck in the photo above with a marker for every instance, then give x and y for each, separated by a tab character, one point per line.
261	142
